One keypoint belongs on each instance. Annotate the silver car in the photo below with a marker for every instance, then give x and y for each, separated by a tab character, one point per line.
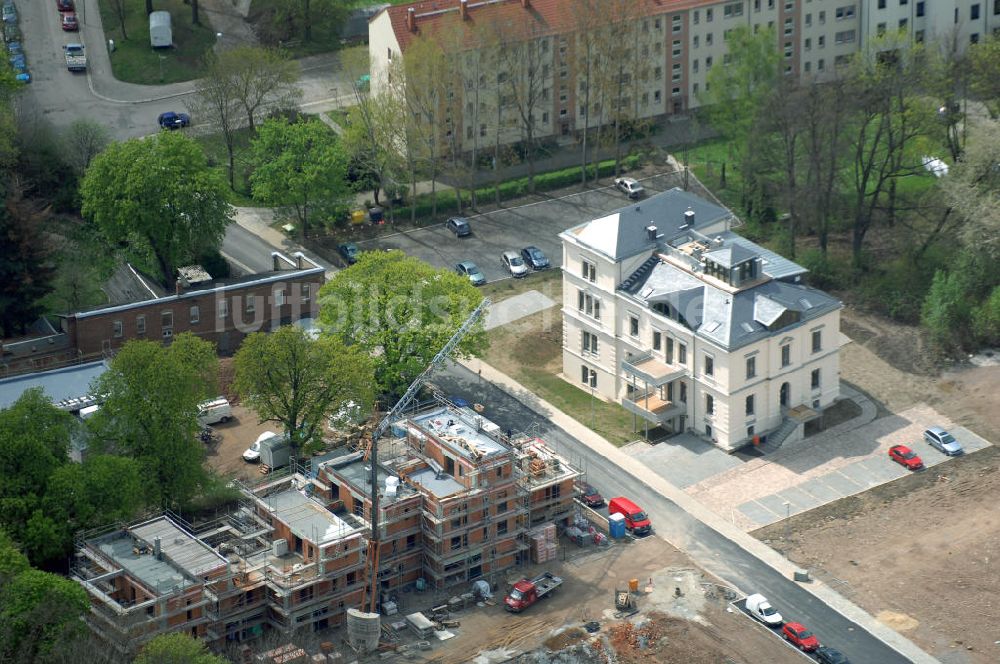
943	441
514	263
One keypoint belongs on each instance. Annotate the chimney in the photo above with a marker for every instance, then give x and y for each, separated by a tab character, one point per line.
463	9
178	287
411	19
651	233
275	262
526	3
157	553
689	217
299	260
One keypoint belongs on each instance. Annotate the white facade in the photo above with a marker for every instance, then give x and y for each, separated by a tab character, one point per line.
642	321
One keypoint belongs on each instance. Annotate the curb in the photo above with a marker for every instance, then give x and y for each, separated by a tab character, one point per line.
759	550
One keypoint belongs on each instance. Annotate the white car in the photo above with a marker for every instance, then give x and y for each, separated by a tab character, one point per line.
630	187
943	441
252	455
761	609
514	263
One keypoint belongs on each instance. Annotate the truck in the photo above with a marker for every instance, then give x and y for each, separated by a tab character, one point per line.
526	592
76	59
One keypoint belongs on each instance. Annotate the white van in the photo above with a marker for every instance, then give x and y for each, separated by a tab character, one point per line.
761	609
216	410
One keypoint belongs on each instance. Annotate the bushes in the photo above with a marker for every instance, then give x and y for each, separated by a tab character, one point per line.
963	305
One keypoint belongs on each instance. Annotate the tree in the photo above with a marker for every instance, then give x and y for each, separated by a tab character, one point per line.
300	167
946	311
217	101
157	200
83	140
195	20
120	9
177	648
984	73
401	311
39	611
9	89
149	413
734	95
288	378
972	189
261	80
26	267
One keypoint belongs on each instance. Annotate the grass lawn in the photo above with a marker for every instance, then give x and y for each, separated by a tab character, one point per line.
135	61
530	351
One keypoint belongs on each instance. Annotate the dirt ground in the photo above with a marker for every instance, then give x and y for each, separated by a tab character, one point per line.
226	457
688	629
916	553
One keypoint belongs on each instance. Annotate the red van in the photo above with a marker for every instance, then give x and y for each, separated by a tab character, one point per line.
635	519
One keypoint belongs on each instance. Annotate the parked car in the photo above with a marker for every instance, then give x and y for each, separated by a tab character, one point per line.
761	609
173	120
252	453
65	5
9	14
14	47
826	655
902	454
630	187
636	520
18	61
943	441
11	32
797	634
23	76
349	251
459	226
69	22
514	264
589	496
472	271
534	257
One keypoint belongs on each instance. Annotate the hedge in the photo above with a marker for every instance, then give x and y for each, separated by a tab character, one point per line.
447	199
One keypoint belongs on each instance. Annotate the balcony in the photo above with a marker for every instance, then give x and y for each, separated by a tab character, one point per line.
651	371
649	406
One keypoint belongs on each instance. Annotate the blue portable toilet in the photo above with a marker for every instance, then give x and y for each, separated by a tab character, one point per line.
616	526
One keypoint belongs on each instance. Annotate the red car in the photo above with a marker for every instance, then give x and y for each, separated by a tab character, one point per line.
65	5
798	635
69	22
902	454
590	497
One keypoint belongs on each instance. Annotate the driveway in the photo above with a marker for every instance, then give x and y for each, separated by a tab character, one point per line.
823	468
127	110
537	224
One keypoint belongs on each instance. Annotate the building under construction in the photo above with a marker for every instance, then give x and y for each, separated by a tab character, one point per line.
456	498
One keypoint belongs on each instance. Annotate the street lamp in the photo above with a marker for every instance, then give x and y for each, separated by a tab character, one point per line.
162	58
788	514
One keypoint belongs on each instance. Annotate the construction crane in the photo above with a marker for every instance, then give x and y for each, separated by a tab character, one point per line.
370	596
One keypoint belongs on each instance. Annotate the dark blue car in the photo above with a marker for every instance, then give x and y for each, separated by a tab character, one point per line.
172	120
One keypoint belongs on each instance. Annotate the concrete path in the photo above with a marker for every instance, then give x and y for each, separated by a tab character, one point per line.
257	222
681	537
516	307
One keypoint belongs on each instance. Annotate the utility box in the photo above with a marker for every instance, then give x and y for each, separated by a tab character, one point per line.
160	32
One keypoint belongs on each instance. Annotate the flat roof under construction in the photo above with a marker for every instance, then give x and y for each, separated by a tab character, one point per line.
461	432
184	560
307	518
355	470
441	485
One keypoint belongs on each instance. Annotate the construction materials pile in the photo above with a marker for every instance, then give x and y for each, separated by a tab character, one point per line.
544	543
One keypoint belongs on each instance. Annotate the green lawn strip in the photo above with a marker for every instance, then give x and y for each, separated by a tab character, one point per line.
135	61
609	420
215	151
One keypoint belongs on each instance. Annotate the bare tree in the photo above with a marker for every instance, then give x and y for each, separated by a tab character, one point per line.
217	101
120	9
262	80
83	140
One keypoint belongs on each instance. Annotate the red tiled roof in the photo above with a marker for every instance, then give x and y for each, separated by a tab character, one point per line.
435	18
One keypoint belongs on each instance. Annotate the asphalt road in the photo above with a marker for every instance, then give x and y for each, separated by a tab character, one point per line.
513	228
250	253
707	548
127	110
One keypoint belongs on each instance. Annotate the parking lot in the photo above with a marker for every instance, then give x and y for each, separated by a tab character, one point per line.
513	228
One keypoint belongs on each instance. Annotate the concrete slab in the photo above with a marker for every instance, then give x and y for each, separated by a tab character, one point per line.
757	513
801	501
516	307
841	483
685	460
774	503
821	490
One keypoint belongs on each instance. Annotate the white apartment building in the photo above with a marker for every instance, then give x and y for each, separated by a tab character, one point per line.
675	44
692	327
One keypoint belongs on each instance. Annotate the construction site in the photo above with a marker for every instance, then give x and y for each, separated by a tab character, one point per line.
455	501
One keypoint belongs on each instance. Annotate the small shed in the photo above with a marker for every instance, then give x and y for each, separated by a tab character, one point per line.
160	33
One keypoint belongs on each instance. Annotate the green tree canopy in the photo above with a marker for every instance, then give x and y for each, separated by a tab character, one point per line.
157	200
150	412
177	648
300	167
401	311
39	612
288	378
26	265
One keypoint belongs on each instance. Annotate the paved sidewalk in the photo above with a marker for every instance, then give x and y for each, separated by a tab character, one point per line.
258	220
759	550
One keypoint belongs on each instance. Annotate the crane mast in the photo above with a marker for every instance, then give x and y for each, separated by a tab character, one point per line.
371	586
